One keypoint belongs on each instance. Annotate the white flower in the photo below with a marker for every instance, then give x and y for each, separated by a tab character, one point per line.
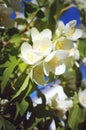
60	29
34	2
37	74
69	31
54	62
52	125
82	97
36	35
59	102
72	33
29	55
56	99
75	52
63	44
42	46
84	61
41	41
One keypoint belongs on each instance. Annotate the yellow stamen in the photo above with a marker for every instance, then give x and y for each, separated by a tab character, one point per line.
71	32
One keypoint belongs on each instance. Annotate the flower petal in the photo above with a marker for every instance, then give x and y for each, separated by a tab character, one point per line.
63	44
60	69
25	48
46	33
53	60
34	34
37	74
28	55
82	97
76	35
43	46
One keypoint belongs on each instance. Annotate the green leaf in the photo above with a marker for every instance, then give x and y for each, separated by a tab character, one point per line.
30	8
76	117
37	120
41	2
16	39
13	62
17	109
82	47
30	86
54	14
22	88
60	128
69	79
9	125
76	100
2	123
22	66
6	64
23	107
6	125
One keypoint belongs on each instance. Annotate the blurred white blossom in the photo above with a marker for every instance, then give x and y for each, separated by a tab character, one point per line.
82	97
69	31
60	103
29	55
54	62
5	19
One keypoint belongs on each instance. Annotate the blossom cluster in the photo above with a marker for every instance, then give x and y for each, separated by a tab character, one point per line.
49	54
43	64
52	54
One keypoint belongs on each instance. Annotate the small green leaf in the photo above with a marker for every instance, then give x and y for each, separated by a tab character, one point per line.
16	39
37	120
22	88
82	47
17	109
9	125
13	62
23	107
54	14
22	66
76	117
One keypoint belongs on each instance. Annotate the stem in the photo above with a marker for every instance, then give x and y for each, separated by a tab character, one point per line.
28	25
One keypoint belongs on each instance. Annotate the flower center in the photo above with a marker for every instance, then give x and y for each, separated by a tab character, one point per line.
71	31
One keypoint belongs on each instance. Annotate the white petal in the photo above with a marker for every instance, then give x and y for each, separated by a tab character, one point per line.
28	55
63	44
82	97
46	33
34	34
52	91
60	69
62	54
52	125
43	46
76	35
54	60
37	74
25	48
64	105
49	63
